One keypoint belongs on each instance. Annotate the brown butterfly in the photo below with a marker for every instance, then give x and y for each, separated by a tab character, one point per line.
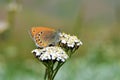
44	36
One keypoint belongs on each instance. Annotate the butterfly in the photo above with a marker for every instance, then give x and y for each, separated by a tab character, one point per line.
44	36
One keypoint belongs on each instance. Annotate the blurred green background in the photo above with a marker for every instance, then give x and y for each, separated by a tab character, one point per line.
95	22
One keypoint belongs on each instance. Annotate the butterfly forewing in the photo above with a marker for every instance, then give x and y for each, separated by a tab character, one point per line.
44	37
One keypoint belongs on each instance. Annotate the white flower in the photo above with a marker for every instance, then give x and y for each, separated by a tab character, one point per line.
51	53
69	41
79	43
64	40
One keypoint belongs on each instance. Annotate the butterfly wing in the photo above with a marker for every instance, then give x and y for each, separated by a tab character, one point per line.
49	38
44	36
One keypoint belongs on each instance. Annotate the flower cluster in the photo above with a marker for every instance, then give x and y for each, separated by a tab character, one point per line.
68	41
51	53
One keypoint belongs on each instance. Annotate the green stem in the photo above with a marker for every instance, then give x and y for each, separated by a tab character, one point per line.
46	74
51	69
56	69
47	69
